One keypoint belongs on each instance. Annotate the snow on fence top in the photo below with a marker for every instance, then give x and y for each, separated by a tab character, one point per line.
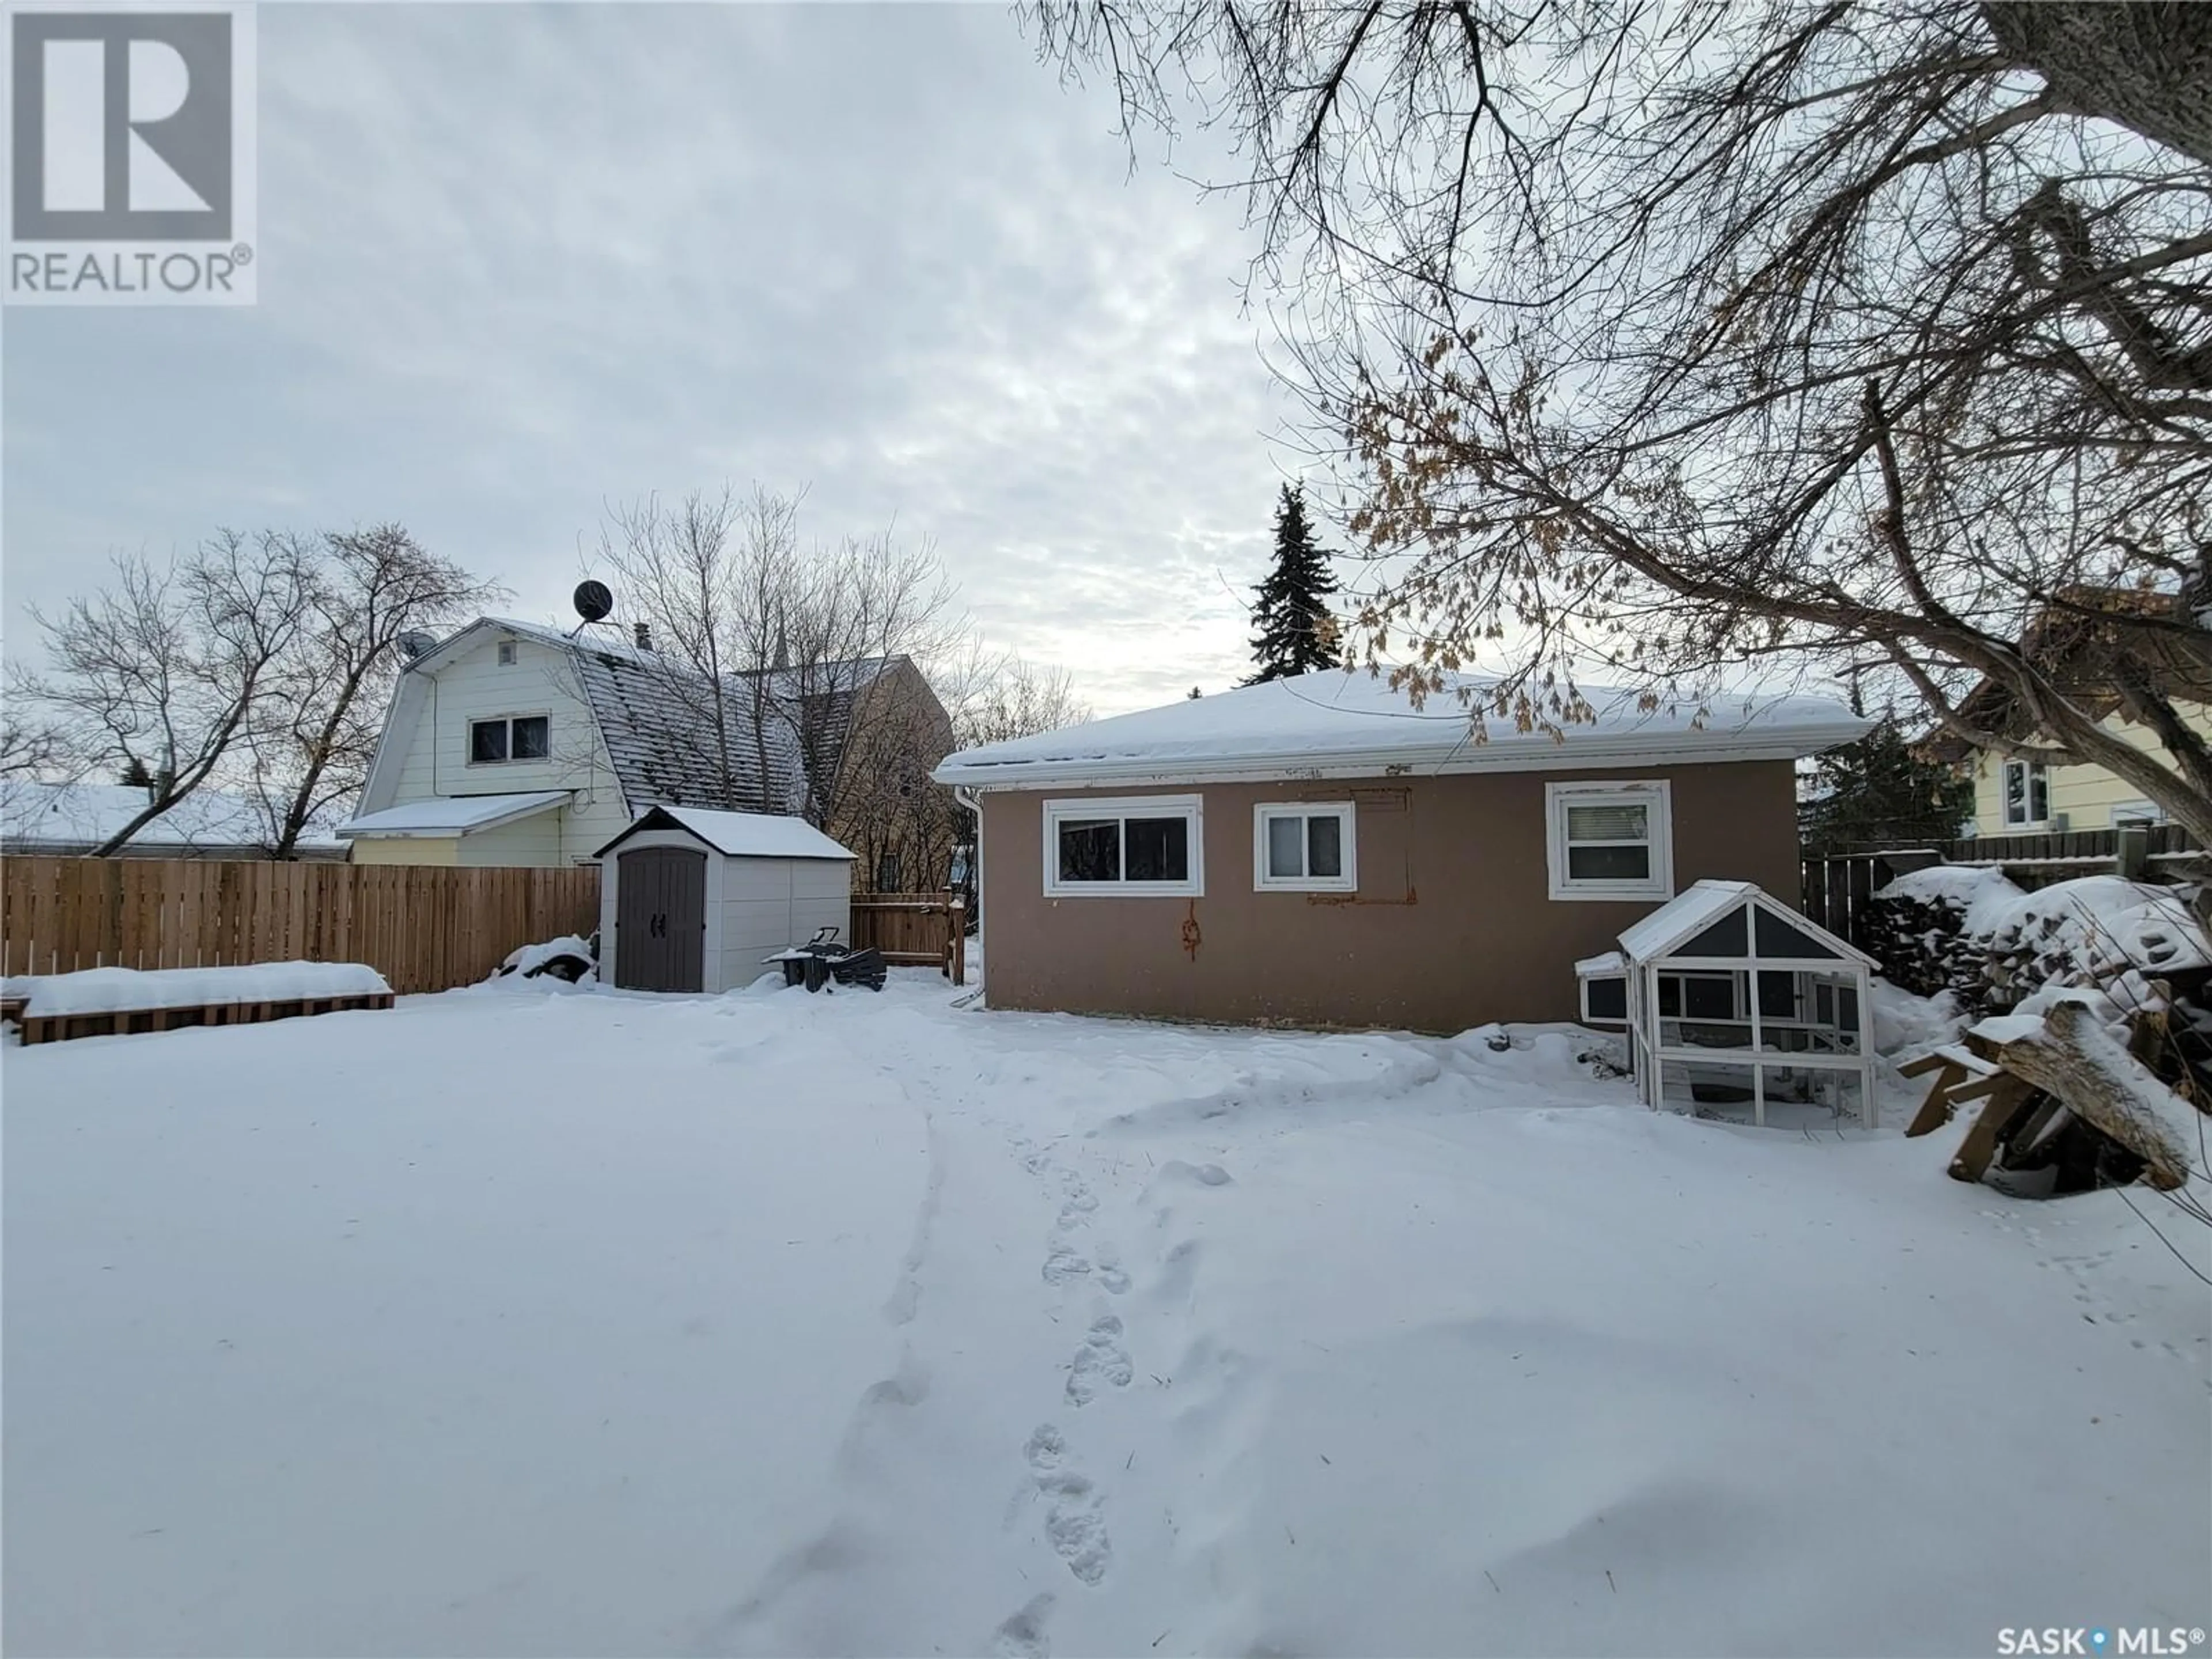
118	990
1350	723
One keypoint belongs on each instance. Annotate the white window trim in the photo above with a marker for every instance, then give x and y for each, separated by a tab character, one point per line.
508	721
2027	794
1657	795
1342	811
1191	807
505	655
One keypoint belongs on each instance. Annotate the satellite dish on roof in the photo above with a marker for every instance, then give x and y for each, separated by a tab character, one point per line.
415	644
593	600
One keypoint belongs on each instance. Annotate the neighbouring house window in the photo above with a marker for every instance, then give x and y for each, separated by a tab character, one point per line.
1609	840
2137	812
887	874
1145	845
516	738
506	654
2027	793
1306	846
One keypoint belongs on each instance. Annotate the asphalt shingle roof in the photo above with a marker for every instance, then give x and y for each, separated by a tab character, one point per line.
657	720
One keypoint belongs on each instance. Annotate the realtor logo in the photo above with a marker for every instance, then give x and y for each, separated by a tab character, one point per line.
131	176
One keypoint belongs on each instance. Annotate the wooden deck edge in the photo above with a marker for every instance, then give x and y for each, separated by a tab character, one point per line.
132	1021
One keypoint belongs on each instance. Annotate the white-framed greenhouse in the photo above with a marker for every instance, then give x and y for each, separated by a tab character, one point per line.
1730	999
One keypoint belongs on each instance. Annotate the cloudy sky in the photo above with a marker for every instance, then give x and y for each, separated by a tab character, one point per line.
519	261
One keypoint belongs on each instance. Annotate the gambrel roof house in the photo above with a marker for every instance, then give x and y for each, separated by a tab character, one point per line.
1316	851
514	743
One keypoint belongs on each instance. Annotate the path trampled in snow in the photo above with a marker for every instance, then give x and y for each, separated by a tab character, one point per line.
517	1323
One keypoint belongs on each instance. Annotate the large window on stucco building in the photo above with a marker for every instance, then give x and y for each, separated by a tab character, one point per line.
1142	846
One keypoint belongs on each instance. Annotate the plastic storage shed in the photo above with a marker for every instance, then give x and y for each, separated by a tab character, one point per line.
692	900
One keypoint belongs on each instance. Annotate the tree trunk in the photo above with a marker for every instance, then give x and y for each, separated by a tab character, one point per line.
2099	1082
2144	64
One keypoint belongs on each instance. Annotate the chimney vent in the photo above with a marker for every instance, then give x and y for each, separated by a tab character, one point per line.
642	633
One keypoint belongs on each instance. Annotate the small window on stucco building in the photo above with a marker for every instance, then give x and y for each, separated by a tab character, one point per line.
1609	840
1304	846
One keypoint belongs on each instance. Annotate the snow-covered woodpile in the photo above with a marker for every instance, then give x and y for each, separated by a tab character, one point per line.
1967	930
2090	1062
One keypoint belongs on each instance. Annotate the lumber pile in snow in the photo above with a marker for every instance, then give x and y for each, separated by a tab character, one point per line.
2065	1092
1967	929
2075	1061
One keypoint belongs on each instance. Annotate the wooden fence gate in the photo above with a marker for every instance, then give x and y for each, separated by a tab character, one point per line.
423	928
915	930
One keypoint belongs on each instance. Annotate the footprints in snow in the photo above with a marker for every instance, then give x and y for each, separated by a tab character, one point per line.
1072	1214
1021	1634
1061	1263
1100	1363
1111	1278
1074	1524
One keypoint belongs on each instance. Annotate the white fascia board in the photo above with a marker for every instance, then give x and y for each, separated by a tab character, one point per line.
1390	763
449	647
451	832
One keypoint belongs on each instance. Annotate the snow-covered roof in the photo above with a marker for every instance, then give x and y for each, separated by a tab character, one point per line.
740	834
453	815
1686	914
656	716
1701	904
74	817
1341	723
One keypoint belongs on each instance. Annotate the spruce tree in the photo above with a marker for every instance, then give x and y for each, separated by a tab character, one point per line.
1881	789
1297	632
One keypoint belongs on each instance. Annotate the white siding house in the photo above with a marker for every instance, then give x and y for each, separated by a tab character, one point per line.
577	736
490	674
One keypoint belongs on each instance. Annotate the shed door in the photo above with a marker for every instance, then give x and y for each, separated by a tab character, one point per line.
660	920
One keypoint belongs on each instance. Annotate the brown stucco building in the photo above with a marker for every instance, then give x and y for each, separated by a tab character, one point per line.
1317	853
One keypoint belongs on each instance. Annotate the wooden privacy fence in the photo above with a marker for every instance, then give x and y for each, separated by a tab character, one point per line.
1837	887
915	930
422	928
2060	854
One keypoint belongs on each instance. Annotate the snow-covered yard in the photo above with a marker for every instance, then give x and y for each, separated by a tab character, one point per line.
522	1320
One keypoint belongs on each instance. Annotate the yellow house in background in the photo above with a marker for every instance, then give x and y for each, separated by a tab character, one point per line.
2091	635
2023	797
